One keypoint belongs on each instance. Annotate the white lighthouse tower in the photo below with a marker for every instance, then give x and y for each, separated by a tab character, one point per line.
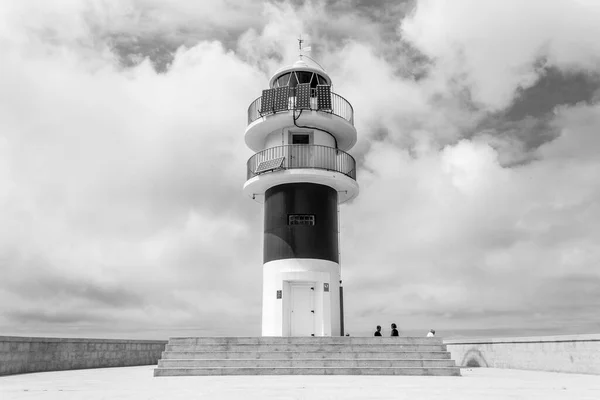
300	130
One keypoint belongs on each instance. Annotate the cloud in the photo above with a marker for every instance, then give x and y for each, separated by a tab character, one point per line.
118	182
122	161
470	234
493	47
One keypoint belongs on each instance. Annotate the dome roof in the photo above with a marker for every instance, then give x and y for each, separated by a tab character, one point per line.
300	65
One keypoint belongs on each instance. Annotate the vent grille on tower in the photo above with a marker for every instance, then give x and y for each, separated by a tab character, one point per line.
301	219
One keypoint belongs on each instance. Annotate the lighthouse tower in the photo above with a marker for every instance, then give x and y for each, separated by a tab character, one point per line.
300	130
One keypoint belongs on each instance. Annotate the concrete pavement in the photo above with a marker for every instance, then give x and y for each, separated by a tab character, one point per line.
138	383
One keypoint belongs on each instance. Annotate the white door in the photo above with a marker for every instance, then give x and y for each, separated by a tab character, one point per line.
302	316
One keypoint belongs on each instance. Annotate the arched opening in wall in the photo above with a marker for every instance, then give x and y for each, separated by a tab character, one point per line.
473	363
474	359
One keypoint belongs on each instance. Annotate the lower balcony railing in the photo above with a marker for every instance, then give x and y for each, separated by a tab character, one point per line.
301	156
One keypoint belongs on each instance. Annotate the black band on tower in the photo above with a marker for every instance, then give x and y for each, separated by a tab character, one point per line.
301	221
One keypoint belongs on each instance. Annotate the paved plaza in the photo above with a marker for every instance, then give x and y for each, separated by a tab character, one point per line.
138	383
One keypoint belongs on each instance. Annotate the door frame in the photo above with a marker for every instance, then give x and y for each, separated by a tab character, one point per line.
288	301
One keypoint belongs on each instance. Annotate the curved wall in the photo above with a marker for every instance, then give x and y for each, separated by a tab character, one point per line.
283	241
275	314
565	353
19	355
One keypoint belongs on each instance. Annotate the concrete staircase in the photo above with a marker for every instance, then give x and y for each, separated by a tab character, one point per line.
193	356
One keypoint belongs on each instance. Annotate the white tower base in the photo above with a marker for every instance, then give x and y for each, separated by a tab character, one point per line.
310	298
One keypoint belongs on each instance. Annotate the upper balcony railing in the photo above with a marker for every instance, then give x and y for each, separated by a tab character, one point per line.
338	105
296	156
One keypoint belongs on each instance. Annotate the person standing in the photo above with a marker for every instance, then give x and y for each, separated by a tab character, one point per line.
394	330
378	331
431	333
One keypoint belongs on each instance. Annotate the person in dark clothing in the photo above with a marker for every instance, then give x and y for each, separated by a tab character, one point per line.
394	330
378	331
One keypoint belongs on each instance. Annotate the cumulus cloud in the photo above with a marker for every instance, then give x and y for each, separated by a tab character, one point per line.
120	181
122	160
469	233
493	47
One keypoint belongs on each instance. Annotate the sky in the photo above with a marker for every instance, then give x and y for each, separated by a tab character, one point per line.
122	161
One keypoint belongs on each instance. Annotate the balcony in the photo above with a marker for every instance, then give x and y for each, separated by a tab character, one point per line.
301	156
339	106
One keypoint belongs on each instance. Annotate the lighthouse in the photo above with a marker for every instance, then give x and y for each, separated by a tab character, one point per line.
300	131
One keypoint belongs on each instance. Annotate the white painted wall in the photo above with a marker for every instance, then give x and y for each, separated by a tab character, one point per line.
346	187
276	276
257	132
318	137
564	353
322	138
276	138
282	137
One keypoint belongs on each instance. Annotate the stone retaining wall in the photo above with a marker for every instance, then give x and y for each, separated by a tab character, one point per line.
568	353
29	354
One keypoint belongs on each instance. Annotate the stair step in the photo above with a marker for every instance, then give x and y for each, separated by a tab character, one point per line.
305	340
291	355
192	356
438	371
332	347
305	363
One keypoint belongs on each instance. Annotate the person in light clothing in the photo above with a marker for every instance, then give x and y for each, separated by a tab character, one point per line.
431	333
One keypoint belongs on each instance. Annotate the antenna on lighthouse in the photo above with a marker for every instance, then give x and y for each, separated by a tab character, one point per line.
302	50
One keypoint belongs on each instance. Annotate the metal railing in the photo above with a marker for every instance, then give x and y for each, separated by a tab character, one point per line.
305	156
339	106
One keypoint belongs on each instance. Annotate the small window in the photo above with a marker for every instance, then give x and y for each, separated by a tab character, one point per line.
301	219
301	139
283	80
293	80
304	77
314	81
